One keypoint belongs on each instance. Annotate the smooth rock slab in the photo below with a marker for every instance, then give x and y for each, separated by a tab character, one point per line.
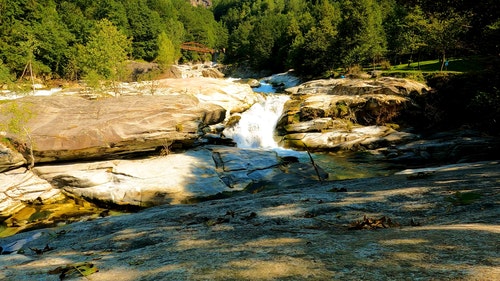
69	128
176	178
170	179
20	186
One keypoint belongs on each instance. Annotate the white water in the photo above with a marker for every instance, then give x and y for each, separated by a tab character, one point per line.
256	128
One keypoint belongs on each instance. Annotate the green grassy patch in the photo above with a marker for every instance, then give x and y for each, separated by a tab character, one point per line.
454	65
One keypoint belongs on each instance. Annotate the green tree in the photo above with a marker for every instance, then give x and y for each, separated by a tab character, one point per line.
145	26
413	35
18	114
361	32
5	76
444	32
166	52
239	43
105	53
53	38
316	52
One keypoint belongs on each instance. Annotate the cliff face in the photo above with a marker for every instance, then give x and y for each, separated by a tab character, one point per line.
205	3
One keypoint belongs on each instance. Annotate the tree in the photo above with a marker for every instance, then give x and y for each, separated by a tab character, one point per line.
18	114
166	52
105	52
53	38
412	37
5	76
444	31
145	26
361	31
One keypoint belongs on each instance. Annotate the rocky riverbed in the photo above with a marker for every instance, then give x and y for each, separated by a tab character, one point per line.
162	143
429	224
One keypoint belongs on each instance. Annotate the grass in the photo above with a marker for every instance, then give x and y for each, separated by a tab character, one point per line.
418	70
455	65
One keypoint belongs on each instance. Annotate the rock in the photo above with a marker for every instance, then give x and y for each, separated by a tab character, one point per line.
445	147
9	158
297	233
195	71
329	109
254	83
234	97
203	3
212	73
359	138
68	128
20	186
176	178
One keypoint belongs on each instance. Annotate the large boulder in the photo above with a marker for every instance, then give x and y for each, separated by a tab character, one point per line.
234	97
323	113
357	139
177	178
69	128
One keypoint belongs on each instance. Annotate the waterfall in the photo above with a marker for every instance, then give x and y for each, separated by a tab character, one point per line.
257	125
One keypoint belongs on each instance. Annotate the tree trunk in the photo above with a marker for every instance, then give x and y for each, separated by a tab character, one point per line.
31	165
443	60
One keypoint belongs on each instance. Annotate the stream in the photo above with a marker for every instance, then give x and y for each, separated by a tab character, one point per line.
256	130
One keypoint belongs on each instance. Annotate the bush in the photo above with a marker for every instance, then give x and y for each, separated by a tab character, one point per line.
385	65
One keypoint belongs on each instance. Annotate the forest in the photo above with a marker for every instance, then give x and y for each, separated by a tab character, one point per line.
78	39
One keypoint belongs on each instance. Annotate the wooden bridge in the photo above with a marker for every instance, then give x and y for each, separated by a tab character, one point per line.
197	47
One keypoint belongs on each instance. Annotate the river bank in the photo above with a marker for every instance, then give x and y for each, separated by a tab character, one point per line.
440	224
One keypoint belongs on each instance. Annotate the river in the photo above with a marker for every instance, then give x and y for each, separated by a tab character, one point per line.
256	130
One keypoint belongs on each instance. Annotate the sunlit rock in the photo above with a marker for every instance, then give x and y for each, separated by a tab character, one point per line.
327	114
9	158
20	186
176	178
68	128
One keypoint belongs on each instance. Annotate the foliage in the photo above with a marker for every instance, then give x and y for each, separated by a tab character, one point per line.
105	53
5	76
50	33
314	37
166	52
18	114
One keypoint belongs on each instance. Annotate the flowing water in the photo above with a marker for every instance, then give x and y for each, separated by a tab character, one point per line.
256	130
257	125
